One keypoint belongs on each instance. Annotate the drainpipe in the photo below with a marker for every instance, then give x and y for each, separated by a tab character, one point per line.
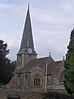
46	78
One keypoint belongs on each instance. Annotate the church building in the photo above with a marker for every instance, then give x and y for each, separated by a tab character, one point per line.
34	73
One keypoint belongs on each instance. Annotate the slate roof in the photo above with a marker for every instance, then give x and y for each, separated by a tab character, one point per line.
40	62
36	62
52	66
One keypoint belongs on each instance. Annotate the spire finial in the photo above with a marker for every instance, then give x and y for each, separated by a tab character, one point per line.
28	5
49	54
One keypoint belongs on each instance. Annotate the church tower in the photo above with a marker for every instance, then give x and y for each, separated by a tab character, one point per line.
27	51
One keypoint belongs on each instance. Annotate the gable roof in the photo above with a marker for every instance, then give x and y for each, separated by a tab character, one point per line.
40	62
36	68
52	66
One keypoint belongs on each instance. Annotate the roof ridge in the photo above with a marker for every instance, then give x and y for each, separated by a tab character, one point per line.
43	57
58	61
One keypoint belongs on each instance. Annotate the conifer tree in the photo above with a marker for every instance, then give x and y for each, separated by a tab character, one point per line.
6	67
69	65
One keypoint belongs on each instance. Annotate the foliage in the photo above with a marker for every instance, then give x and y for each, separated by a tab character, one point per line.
56	95
69	66
6	66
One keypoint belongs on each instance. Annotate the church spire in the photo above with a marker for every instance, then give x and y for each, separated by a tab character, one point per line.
27	38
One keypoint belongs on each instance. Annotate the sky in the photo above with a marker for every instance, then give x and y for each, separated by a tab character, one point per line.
52	22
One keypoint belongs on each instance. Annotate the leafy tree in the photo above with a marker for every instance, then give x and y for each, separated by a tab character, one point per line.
69	66
6	66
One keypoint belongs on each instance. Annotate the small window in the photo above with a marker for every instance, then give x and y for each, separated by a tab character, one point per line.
26	75
36	81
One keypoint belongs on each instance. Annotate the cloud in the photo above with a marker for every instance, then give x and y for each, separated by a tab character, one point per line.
12	1
51	25
55	26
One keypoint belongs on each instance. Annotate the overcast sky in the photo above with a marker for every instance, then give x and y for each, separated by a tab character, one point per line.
52	22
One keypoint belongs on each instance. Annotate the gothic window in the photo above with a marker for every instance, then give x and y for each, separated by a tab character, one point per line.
36	81
19	76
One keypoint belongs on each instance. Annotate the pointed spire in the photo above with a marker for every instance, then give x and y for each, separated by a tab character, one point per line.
27	38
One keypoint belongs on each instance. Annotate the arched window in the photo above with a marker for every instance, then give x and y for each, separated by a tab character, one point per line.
36	80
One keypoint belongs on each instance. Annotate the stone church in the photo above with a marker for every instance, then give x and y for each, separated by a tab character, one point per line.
34	73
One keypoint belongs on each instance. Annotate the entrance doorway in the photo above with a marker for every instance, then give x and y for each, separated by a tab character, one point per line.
14	96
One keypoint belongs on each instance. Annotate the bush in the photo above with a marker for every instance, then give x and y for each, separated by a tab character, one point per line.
57	95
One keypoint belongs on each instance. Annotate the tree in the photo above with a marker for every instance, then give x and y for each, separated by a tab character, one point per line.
69	65
6	66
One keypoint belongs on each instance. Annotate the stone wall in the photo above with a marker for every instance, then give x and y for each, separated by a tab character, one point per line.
4	94
51	94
